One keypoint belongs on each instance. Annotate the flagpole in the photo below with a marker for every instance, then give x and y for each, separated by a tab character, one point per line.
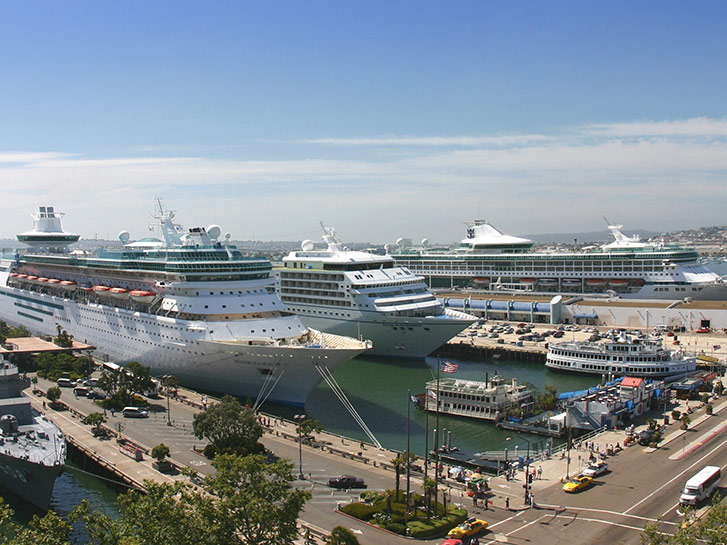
436	441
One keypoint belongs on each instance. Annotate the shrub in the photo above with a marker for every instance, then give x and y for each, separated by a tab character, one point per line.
676	415
708	408
396	528
371	496
359	510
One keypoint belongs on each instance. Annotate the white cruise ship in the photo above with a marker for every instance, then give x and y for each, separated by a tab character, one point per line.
620	356
183	304
366	296
628	267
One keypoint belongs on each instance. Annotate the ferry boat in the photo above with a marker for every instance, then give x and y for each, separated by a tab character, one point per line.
32	448
624	355
196	309
627	267
363	295
485	400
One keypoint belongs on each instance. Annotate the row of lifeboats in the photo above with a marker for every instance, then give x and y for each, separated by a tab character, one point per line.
590	282
140	296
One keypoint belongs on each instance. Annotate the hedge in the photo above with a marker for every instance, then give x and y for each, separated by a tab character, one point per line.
359	510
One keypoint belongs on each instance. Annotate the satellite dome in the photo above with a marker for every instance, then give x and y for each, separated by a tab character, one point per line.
214	231
124	237
425	242
307	245
399	241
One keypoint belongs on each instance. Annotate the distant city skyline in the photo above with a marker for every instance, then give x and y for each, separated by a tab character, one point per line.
383	120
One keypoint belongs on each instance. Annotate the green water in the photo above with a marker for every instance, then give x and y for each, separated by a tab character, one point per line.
378	389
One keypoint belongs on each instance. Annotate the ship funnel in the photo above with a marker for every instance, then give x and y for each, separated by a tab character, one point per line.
8	424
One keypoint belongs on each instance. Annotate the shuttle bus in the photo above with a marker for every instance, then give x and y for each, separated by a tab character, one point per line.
701	486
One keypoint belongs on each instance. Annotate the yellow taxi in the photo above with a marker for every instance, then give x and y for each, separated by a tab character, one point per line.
470	527
578	483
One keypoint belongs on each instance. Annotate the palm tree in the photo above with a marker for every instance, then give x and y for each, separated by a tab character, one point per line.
398	462
685	421
429	486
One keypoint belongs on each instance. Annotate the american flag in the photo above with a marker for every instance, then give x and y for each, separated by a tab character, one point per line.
449	367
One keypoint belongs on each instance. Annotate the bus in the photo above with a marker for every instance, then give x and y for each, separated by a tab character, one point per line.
153	391
701	486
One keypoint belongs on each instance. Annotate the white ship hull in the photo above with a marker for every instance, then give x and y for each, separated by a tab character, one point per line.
203	355
392	336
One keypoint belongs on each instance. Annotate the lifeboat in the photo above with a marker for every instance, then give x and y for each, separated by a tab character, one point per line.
101	289
54	281
31	278
43	279
13	275
618	282
572	281
595	282
548	282
528	281
87	289
142	296
68	285
638	282
22	276
119	293
481	280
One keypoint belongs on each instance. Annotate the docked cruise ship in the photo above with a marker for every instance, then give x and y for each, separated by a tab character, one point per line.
368	296
183	304
628	267
620	356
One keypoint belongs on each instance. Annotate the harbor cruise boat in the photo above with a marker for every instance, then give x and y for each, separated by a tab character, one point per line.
32	448
183	304
485	400
363	295
628	267
624	355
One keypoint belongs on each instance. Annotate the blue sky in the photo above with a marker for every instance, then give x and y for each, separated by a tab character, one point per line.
383	119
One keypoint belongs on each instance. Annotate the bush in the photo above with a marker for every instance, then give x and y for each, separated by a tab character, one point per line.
371	496
396	528
676	415
359	510
708	408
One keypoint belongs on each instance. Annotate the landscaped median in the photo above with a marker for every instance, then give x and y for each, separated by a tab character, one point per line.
388	511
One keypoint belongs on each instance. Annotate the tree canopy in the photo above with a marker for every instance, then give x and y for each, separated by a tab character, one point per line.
711	529
229	427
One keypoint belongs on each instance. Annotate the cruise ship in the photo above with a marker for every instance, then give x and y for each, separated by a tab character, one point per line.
32	448
359	294
184	304
622	355
627	267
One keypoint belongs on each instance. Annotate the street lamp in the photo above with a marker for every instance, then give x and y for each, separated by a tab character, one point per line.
299	419
169	381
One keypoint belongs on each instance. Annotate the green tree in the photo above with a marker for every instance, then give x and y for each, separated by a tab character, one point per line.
229	427
95	420
685	421
548	400
53	394
710	529
139	377
63	339
255	501
397	462
429	486
341	535
160	452
309	426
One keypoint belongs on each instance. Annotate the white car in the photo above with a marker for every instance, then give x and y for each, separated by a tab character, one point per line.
595	469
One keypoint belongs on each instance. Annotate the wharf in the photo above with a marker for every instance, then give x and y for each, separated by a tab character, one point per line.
527	428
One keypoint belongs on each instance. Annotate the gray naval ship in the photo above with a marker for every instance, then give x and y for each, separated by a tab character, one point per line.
32	448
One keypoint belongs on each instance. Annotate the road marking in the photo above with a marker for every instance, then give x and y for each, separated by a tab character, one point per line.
679	475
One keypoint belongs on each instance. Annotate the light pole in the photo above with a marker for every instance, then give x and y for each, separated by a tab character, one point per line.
299	419
168	382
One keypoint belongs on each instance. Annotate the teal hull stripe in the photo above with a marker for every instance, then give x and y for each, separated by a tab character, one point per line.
31	300
30	316
26	307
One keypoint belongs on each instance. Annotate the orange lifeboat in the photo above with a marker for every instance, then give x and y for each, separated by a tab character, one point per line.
101	289
119	293
618	282
43	279
142	296
22	276
54	281
13	275
31	278
529	281
595	282
68	285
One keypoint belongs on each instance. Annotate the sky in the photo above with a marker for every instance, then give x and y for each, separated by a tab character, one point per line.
382	119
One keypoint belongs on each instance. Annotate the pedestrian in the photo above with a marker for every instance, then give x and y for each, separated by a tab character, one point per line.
507	502
44	405
540	472
487	508
474	500
532	500
342	441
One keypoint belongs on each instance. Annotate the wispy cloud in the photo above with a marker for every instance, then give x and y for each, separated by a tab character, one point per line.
655	175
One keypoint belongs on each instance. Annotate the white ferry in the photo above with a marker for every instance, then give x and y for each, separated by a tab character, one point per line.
485	400
363	295
184	304
628	267
619	356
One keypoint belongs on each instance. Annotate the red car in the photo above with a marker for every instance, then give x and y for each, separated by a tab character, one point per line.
703	330
452	542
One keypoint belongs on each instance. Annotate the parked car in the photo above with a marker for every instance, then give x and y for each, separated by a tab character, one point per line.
703	330
577	484
595	469
95	394
134	412
452	542
470	527
646	436
346	481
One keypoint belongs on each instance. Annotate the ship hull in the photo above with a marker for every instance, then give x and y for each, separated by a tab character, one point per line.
392	336
32	482
187	350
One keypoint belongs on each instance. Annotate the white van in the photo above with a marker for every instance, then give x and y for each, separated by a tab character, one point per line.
65	383
134	412
699	487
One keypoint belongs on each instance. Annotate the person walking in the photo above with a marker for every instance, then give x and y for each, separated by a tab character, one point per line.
507	502
540	472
